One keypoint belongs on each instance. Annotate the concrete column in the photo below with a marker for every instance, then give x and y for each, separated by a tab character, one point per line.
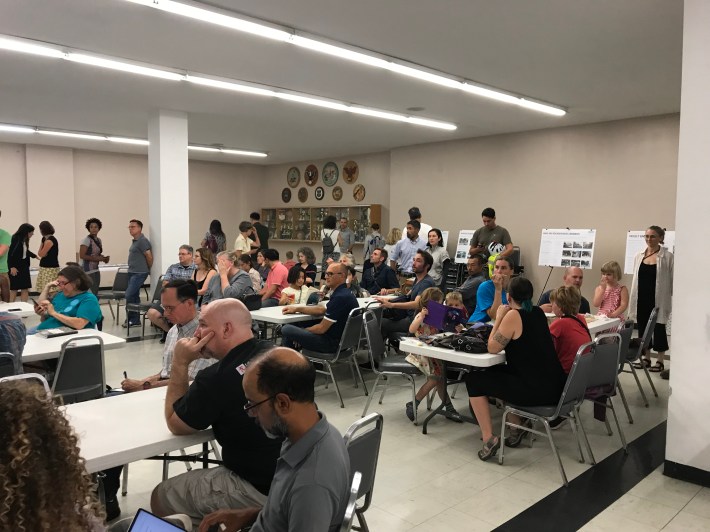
687	449
168	188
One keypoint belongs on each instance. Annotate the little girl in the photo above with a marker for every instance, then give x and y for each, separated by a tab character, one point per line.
430	367
611	297
455	300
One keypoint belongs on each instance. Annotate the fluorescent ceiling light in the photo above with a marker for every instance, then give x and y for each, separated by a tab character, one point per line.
360	55
229	85
19	45
84	136
247	153
124	140
203	148
123	66
16	129
336	106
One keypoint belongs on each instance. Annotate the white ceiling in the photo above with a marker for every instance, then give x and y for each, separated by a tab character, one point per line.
601	59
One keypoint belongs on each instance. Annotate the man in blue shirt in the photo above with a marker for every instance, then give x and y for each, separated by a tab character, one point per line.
325	335
492	294
379	278
404	251
421	264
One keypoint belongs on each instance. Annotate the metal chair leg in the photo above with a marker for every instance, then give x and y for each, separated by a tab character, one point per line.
638	383
359	374
414	399
578	417
648	376
385	388
555	451
618	427
623	400
501	450
335	383
124	481
369	397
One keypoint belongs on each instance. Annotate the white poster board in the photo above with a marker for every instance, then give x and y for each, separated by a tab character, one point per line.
462	246
445	236
636	243
567	247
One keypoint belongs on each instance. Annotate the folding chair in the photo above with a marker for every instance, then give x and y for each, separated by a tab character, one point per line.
601	386
117	292
385	367
352	504
80	374
347	351
8	364
626	331
143	308
362	440
28	376
634	355
568	406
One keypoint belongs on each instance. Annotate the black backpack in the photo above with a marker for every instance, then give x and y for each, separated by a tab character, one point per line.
328	246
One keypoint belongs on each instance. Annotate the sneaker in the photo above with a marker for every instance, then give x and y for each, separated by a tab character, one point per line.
451	413
557	423
132	324
113	510
409	410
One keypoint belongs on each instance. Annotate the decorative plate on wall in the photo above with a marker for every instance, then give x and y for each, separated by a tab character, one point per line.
320	193
293	177
311	175
337	193
330	174
350	172
286	195
359	192
302	194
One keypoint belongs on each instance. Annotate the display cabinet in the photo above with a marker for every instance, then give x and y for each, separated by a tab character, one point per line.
305	223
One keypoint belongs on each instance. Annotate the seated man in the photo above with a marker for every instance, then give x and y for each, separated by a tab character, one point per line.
325	335
379	278
183	269
492	293
311	485
232	281
573	277
421	264
216	399
276	279
476	277
13	335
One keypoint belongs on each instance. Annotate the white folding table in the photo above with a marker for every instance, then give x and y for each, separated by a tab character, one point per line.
40	348
18	308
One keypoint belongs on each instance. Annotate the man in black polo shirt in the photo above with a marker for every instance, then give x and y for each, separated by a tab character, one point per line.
325	335
421	264
380	278
216	398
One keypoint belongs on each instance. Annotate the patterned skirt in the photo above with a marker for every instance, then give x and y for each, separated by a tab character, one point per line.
45	276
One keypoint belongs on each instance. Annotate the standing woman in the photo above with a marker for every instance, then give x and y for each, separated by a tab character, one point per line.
652	286
18	262
330	231
435	247
91	251
48	256
215	238
204	260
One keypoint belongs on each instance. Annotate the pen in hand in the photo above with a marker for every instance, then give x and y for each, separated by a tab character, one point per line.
125	375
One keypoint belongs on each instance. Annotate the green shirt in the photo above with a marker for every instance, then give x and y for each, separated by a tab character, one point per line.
5	238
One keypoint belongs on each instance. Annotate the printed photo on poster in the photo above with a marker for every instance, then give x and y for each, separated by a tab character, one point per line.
567	247
462	245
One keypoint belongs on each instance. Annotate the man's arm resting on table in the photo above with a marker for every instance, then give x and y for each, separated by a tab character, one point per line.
310	310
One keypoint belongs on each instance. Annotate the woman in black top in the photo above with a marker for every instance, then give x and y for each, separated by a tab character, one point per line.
49	256
307	259
532	374
18	262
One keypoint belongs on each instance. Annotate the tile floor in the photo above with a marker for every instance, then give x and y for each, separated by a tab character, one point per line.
436	482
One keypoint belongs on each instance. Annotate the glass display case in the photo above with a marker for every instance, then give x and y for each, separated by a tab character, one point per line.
305	223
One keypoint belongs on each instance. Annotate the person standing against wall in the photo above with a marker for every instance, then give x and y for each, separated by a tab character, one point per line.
140	260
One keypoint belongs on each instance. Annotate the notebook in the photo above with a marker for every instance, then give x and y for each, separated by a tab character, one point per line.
444	318
144	521
58	331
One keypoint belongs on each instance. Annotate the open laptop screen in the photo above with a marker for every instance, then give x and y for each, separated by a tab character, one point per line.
144	521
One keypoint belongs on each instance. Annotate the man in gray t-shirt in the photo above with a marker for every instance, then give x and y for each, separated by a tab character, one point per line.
491	239
347	236
140	259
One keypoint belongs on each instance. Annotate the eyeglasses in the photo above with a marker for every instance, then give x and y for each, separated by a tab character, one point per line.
329	274
250	406
168	308
63	283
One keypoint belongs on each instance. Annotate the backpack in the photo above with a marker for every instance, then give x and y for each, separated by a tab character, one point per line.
212	243
376	242
328	246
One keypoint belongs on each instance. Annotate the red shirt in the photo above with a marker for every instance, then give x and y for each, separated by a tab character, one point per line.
278	275
568	334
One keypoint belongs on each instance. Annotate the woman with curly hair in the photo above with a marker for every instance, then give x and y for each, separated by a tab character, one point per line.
42	487
48	256
307	261
91	251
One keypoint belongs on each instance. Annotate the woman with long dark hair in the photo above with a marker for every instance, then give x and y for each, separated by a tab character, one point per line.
48	256
206	269
435	247
215	239
330	253
18	262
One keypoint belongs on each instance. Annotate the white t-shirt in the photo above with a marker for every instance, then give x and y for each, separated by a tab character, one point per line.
423	232
243	244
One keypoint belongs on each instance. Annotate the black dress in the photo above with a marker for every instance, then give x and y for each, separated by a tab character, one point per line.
645	303
532	375
19	258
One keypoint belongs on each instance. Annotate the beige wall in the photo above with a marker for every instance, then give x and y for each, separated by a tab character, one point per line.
612	177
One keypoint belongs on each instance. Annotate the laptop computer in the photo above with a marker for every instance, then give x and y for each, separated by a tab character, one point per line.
144	521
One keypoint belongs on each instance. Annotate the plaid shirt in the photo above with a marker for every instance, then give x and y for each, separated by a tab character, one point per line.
174	334
178	271
12	337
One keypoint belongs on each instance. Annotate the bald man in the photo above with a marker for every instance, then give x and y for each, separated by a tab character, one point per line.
310	487
573	277
216	399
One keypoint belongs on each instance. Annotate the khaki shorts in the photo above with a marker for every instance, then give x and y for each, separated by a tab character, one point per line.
202	491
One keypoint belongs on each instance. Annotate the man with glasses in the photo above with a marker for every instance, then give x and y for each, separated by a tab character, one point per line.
215	399
183	269
325	335
310	487
140	260
179	299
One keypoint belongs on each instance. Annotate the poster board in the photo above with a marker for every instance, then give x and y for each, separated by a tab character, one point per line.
462	246
636	243
445	236
567	247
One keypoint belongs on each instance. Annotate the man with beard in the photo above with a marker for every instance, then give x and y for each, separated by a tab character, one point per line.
216	399
310	486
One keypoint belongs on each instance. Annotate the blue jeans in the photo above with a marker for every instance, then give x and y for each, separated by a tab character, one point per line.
293	335
271	302
133	293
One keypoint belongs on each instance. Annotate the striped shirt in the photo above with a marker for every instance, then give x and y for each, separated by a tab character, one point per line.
174	334
178	271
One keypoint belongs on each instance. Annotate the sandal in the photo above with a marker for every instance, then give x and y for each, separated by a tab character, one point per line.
657	368
516	435
643	362
490	448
